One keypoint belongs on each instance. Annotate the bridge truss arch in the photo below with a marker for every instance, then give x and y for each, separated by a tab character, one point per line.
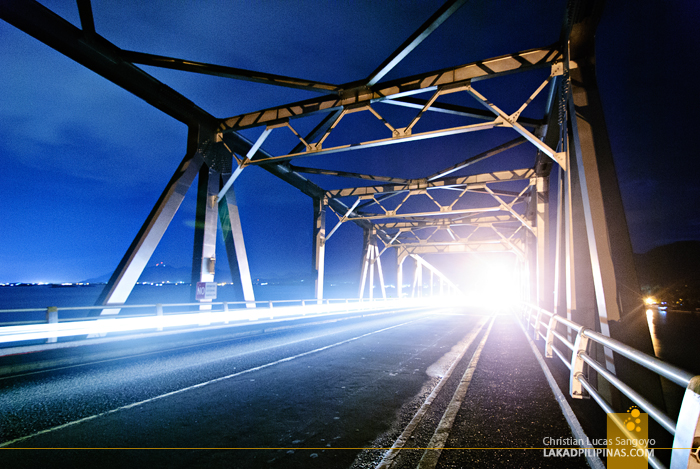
560	214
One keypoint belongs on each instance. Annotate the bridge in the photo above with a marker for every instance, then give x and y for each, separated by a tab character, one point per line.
548	202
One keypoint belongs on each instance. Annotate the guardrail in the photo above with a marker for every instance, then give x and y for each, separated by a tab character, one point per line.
161	316
578	340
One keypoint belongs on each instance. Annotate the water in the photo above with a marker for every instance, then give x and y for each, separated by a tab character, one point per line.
674	336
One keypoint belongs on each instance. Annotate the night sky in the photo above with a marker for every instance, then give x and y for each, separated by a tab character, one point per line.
84	161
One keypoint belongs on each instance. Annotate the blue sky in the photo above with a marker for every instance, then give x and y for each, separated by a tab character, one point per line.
84	161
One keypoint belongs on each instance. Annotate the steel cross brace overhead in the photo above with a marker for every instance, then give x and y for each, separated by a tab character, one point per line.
357	97
601	283
475	181
448	222
454	248
407	134
96	53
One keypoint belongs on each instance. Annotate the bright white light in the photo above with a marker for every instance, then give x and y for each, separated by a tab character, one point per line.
494	283
116	323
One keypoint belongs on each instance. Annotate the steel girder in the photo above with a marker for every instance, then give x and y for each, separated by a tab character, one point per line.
475	181
319	244
93	51
144	244
474	247
404	134
352	97
104	58
574	73
232	232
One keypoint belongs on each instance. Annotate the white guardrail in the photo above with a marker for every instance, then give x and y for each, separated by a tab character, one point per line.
161	316
685	429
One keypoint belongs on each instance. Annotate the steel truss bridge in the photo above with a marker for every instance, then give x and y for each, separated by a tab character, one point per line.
580	268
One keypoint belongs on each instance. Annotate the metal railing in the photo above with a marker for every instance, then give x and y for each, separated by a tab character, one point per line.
579	339
160	316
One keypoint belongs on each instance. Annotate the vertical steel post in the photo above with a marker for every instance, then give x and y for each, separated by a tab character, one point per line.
52	318
531	245
366	252
400	258
419	278
615	281
558	258
372	261
236	253
379	270
206	223
319	245
542	230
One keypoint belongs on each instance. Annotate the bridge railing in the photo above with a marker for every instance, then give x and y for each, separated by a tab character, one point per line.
157	317
578	339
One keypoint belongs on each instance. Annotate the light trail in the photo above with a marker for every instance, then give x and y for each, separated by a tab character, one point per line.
200	385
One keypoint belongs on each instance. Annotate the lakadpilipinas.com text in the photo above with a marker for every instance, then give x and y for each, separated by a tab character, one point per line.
574	447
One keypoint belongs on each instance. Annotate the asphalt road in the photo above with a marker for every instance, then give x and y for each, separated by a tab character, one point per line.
362	392
309	396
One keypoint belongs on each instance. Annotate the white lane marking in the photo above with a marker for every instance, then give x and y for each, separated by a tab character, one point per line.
195	386
576	429
389	457
437	442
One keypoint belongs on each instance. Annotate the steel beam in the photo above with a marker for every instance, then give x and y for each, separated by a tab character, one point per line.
232	231
584	152
447	222
558	245
608	223
400	258
439	17
367	235
491	68
319	245
454	109
102	57
346	174
475	159
580	290
619	305
542	230
494	246
511	121
422	185
206	224
227	72
87	21
242	145
396	137
144	244
426	214
433	271
418	278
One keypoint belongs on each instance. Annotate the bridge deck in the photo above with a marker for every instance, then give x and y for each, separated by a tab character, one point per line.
508	406
327	390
